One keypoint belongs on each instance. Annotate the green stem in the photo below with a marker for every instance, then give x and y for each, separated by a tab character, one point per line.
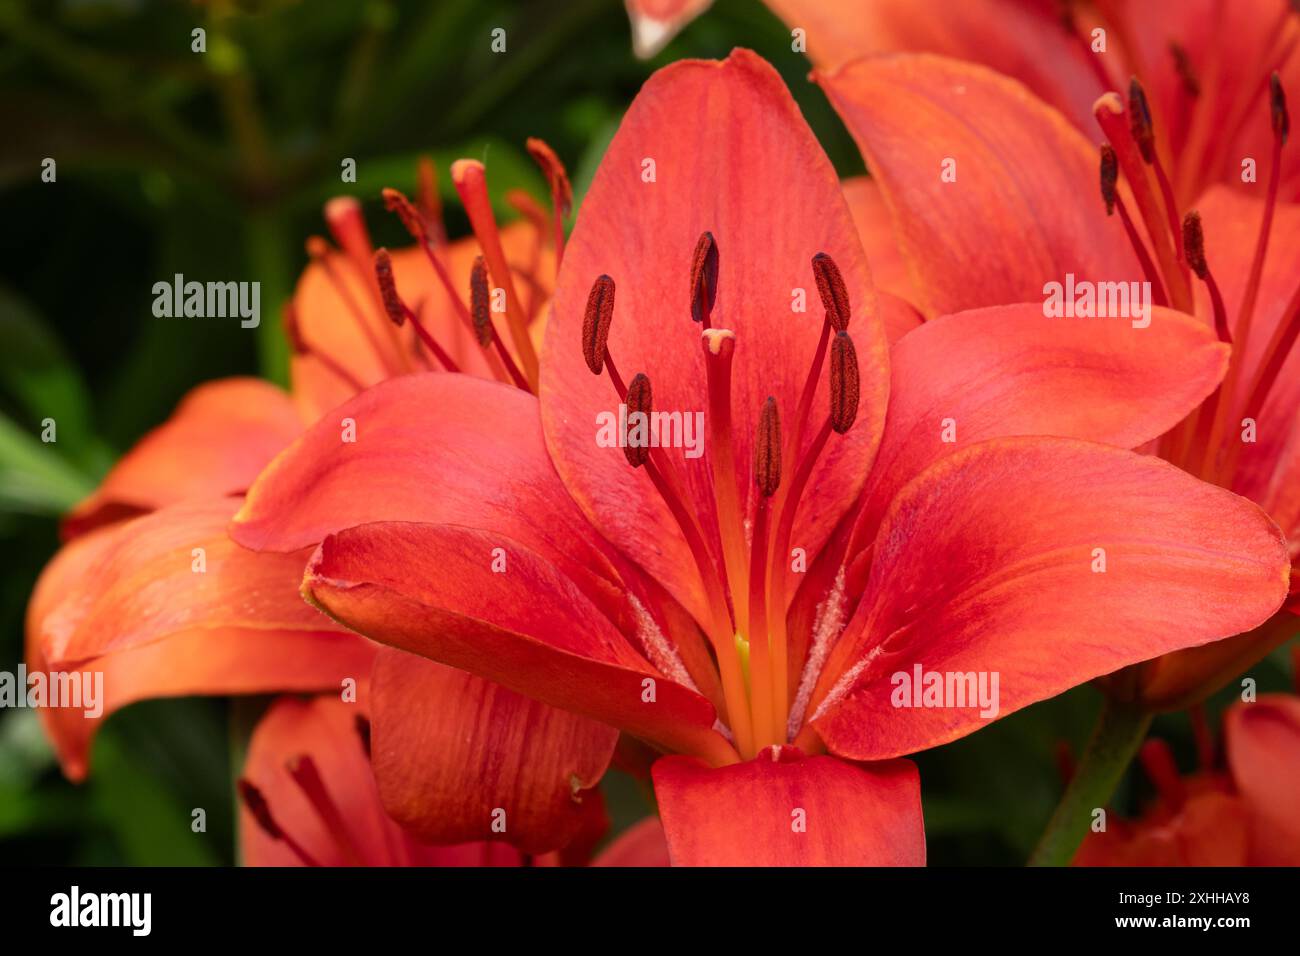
1120	730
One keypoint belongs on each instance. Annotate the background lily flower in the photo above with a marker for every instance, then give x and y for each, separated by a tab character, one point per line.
759	703
309	799
1204	63
130	595
1238	814
1022	170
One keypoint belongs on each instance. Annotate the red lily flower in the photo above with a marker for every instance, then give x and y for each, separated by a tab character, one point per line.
482	539
1204	63
1240	815
150	590
1022	170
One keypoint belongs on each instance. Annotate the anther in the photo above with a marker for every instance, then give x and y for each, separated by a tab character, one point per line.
1194	243
704	278
1109	176
1183	67
395	202
834	293
1277	107
1139	119
844	383
393	303
478	302
639	399
767	449
596	321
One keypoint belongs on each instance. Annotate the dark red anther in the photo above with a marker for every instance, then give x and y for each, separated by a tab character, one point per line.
844	382
394	201
393	304
834	293
704	278
1183	67
256	802
1194	243
479	308
596	321
1277	105
639	400
767	449
1139	120
1109	176
556	176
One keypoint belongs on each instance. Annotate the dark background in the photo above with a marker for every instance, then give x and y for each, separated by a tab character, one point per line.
216	165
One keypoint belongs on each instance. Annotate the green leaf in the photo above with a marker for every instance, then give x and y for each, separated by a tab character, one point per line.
34	479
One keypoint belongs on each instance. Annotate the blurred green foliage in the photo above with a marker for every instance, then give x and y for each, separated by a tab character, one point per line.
216	165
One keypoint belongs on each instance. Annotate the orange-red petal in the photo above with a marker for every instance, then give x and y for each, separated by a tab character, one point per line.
989	564
215	442
1263	744
786	809
1022	207
432	590
732	156
459	758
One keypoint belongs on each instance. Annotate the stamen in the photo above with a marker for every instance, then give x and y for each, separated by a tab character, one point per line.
596	322
304	773
484	330
1109	112
1281	119
298	345
1144	135
844	383
561	190
399	311
255	800
470	180
1183	67
319	251
704	279
1194	244
1114	201
524	204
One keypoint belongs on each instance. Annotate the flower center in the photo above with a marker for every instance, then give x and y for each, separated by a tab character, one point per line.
746	580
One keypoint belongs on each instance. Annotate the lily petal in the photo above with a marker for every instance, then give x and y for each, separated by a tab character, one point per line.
458	757
434	448
988	564
1024	208
733	156
1263	744
786	809
642	844
1023	40
1009	370
220	436
431	590
169	572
